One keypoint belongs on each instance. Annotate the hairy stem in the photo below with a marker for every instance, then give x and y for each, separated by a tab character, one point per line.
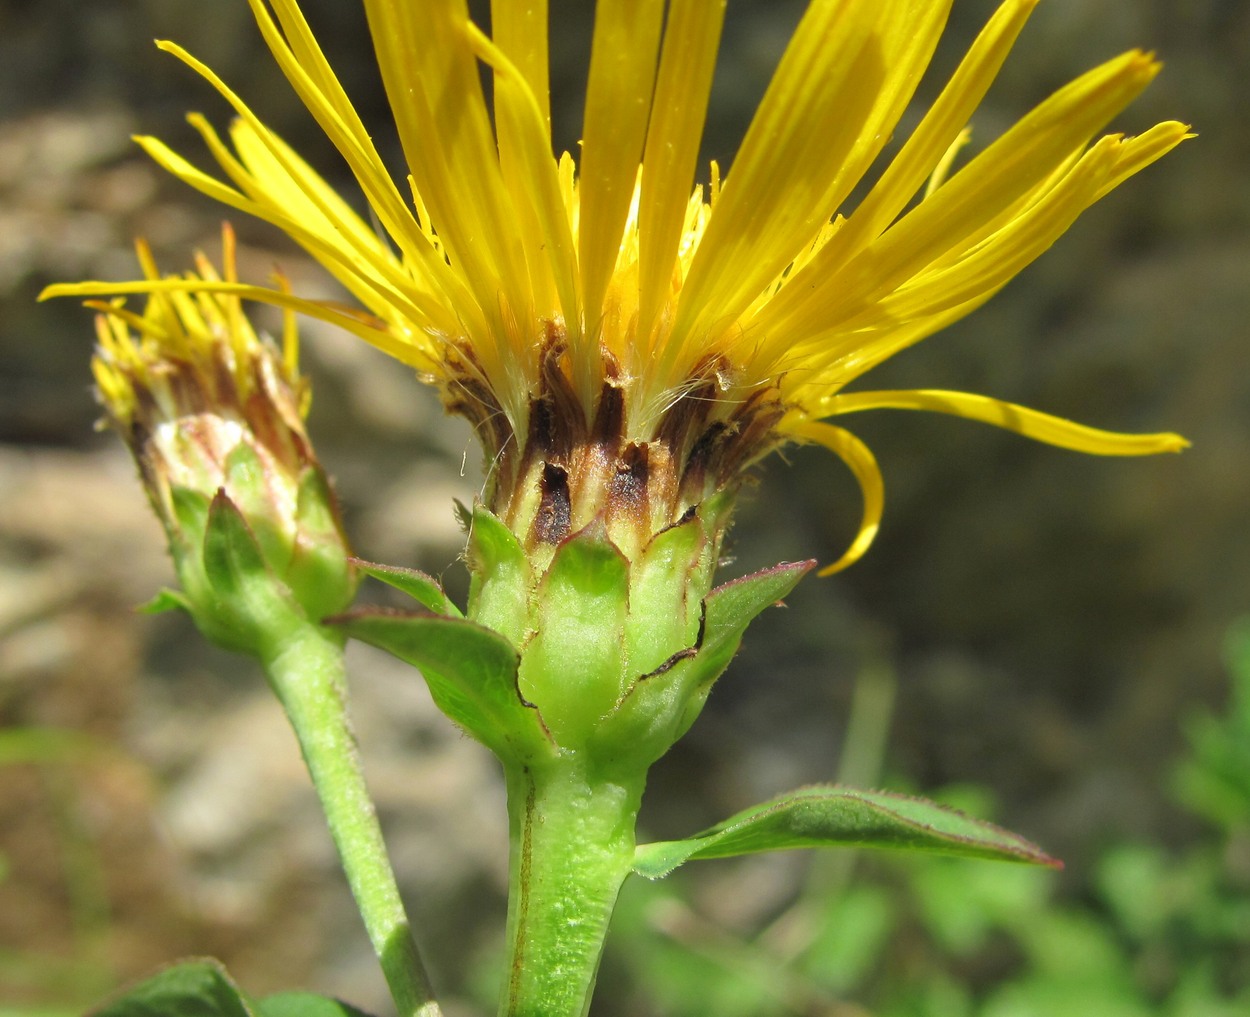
572	845
306	670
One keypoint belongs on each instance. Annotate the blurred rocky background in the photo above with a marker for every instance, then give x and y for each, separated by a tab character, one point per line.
1045	621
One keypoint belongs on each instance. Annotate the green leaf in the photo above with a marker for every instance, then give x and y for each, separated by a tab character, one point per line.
733	606
305	1004
471	671
253	491
829	816
667	584
318	572
45	745
232	557
422	588
199	988
185	531
165	600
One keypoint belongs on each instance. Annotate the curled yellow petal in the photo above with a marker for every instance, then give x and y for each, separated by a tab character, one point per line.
863	464
1030	423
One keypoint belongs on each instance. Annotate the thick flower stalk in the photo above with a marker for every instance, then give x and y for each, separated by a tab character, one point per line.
627	343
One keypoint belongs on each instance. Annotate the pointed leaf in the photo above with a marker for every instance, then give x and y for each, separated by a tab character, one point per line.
729	610
471	671
190	517
733	606
319	572
199	988
422	588
165	600
829	816
666	584
254	490
232	557
305	1004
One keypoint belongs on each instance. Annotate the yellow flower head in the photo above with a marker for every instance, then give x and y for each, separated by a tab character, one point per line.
615	331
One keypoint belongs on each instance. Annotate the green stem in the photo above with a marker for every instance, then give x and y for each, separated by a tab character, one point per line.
307	672
572	845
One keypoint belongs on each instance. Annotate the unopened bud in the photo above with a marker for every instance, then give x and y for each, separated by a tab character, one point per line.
214	416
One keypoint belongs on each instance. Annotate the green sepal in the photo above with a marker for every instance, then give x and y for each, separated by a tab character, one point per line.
190	516
471	672
165	600
830	816
667	581
732	606
500	577
422	588
573	664
250	486
197	988
250	609
304	1004
728	610
320	573
659	706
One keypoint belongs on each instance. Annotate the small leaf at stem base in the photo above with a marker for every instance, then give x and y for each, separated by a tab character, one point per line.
304	1004
196	988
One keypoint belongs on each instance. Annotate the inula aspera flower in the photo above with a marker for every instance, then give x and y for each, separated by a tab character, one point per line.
613	319
214	417
627	343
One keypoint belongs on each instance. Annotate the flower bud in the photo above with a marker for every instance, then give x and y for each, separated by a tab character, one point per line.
214	417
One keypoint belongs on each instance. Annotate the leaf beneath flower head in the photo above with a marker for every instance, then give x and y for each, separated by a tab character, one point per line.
471	672
830	816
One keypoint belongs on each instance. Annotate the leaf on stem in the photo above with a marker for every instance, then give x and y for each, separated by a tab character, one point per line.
304	1004
830	816
202	988
197	988
471	672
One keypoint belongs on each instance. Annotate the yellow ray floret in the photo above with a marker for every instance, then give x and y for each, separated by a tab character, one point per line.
520	283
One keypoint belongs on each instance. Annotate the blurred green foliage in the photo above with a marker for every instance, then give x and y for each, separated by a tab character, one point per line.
83	974
1153	933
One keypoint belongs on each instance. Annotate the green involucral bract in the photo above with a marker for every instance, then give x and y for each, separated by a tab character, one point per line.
594	654
260	555
245	581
